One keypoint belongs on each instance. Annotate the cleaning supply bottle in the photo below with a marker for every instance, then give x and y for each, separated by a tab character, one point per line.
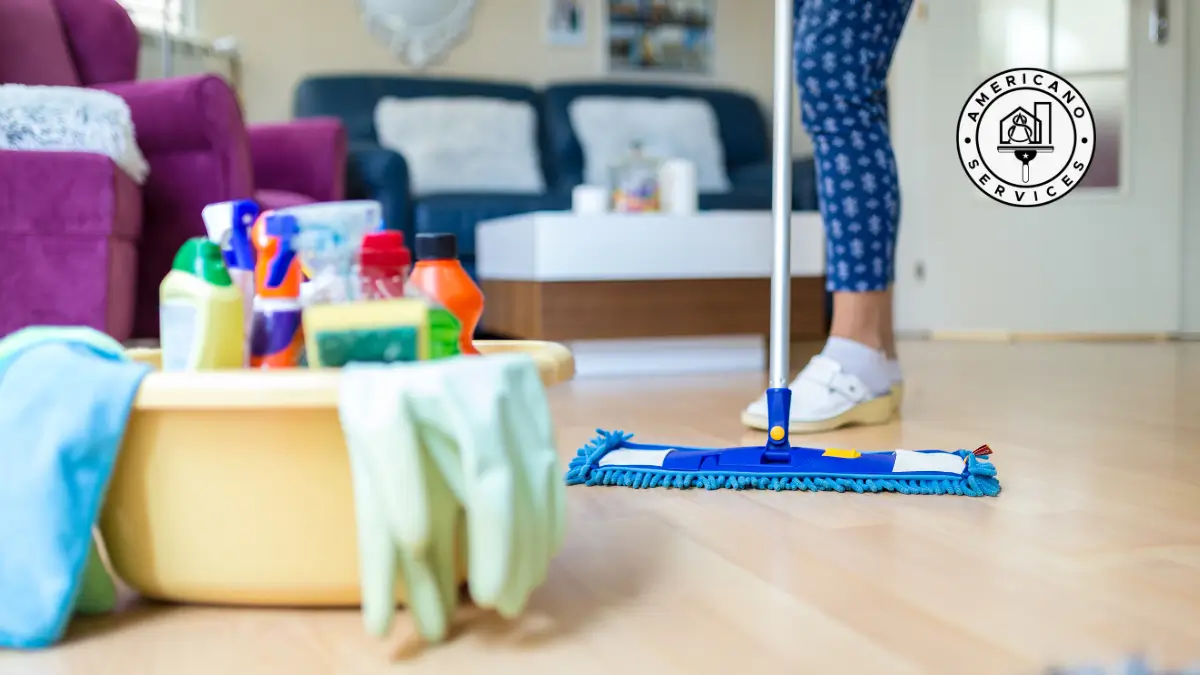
228	225
277	339
440	276
202	325
384	264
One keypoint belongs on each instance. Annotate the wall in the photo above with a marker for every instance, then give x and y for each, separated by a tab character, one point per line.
284	40
1191	177
188	58
1084	265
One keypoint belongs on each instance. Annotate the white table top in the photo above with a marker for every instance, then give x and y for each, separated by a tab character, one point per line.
563	246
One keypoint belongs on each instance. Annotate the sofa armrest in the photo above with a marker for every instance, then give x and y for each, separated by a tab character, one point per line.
307	156
804	181
191	131
92	196
179	114
90	222
381	174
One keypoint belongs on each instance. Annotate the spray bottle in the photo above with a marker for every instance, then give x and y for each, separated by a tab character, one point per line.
228	225
277	338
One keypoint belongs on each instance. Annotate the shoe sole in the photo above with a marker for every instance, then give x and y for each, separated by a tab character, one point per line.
897	397
876	411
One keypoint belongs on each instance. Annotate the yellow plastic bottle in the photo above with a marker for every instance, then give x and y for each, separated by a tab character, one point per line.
201	320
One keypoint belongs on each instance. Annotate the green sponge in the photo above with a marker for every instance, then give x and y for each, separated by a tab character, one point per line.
368	345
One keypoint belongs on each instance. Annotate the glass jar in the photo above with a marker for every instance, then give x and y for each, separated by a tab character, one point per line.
635	186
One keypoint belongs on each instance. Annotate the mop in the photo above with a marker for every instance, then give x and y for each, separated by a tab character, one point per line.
613	459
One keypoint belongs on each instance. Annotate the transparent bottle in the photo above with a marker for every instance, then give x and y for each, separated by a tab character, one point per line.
635	185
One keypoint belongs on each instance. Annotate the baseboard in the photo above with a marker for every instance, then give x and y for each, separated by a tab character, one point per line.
669	356
1017	336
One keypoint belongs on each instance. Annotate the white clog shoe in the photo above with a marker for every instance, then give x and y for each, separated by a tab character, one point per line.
826	397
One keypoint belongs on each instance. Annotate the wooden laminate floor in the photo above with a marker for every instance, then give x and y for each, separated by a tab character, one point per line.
1092	550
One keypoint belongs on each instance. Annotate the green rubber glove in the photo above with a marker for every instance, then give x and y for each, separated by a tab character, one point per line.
97	592
443	452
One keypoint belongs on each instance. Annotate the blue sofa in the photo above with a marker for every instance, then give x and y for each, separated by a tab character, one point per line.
381	174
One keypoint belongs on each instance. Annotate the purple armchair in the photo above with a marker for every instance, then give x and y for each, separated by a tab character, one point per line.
80	242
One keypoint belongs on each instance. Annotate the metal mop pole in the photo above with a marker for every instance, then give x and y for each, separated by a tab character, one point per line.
778	394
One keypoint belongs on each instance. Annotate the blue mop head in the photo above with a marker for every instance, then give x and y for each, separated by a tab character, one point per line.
611	459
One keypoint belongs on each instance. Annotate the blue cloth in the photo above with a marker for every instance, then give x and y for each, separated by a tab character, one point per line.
843	50
65	398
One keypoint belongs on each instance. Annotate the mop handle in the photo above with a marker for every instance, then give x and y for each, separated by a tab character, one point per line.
781	198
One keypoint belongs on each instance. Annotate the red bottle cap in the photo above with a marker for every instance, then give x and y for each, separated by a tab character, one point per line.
384	250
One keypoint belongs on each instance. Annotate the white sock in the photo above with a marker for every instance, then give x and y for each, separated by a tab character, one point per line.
894	372
870	365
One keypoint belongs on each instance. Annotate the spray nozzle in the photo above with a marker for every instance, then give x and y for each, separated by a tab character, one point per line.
283	228
244	213
228	226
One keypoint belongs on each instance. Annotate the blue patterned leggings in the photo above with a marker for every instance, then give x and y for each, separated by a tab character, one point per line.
843	51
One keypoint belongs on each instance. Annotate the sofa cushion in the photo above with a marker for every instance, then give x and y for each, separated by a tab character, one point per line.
463	143
672	128
33	46
104	40
740	120
459	213
353	97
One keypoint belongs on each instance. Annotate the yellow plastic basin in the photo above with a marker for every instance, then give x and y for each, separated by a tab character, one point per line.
233	487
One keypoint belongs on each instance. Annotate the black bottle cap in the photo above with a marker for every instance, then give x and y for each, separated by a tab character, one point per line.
437	246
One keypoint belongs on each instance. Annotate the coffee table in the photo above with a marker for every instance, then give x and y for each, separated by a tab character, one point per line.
604	282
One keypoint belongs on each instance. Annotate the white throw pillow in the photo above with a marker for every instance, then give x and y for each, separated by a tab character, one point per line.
667	128
463	144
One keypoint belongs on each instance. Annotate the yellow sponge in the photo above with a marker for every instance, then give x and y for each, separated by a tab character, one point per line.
373	331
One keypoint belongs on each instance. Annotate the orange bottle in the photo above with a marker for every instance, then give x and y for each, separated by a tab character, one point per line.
277	334
441	277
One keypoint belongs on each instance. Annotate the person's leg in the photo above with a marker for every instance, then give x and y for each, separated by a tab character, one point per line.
889	328
863	317
843	50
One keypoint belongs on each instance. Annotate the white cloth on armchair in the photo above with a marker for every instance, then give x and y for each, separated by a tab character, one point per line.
71	119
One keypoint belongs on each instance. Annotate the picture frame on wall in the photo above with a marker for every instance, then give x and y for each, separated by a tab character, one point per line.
564	22
660	36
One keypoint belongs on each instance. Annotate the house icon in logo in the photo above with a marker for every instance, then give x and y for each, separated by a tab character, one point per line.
1023	130
1026	134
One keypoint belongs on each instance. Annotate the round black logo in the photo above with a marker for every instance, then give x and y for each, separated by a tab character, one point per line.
1026	137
